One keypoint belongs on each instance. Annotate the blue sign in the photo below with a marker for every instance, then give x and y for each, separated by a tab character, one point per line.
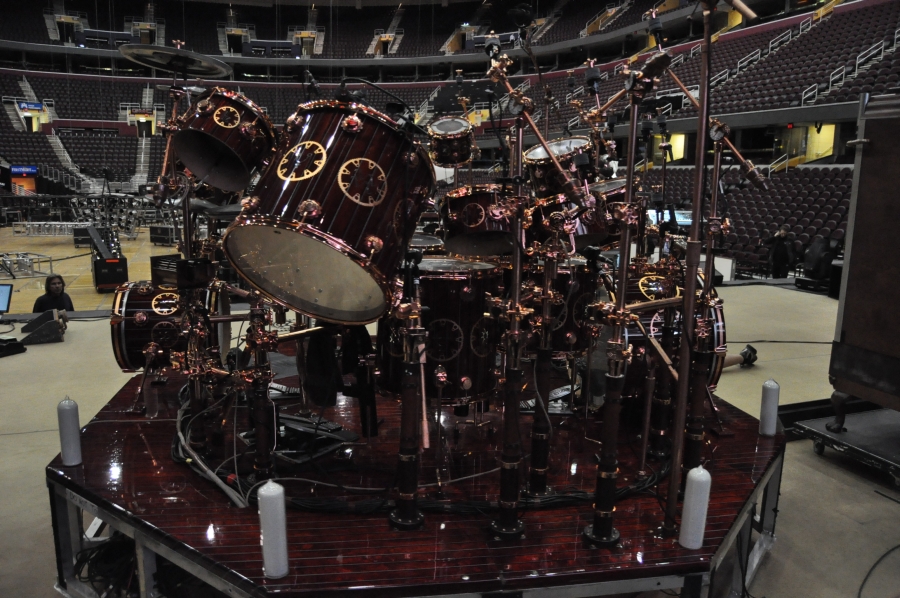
23	169
30	106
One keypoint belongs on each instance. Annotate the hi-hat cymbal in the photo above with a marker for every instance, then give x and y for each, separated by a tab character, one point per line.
174	60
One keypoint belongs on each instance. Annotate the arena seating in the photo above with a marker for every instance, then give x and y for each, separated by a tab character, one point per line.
18	147
576	14
95	98
23	22
348	31
99	156
157	153
426	28
779	79
813	201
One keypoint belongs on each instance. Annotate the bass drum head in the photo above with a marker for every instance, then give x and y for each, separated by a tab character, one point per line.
306	273
211	160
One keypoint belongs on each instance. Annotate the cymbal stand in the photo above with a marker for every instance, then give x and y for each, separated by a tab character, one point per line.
260	341
692	263
497	73
406	515
602	532
507	525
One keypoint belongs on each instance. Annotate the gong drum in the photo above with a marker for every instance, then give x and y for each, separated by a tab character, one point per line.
452	142
145	313
574	289
546	180
460	338
223	138
333	215
477	221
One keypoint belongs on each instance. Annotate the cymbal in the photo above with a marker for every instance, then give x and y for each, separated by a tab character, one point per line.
174	60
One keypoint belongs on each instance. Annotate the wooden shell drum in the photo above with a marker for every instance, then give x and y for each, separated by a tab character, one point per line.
144	313
452	142
477	222
545	179
333	214
223	138
460	338
575	288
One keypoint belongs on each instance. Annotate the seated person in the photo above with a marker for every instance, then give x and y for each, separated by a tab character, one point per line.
54	297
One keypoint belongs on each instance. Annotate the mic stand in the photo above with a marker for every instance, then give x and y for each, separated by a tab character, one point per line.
260	342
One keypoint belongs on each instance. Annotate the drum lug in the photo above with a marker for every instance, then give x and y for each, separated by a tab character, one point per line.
250	204
141	318
411	159
352	124
374	245
293	122
204	107
309	209
249	130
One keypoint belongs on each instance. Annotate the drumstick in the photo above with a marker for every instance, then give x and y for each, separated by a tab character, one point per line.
425	441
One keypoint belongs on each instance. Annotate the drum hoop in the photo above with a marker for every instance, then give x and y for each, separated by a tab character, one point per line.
317	235
460	274
349	107
564	156
460	135
613	190
246	102
468	190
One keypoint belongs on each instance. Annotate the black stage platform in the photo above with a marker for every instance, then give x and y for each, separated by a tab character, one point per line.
129	481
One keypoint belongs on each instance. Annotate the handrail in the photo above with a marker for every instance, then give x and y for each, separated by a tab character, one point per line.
695	50
574	121
896	36
810	92
864	56
806	24
746	60
718	78
836	74
777	164
825	10
781	40
677	60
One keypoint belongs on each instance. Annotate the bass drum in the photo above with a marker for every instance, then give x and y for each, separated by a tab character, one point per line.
477	221
333	214
460	338
144	313
223	138
648	287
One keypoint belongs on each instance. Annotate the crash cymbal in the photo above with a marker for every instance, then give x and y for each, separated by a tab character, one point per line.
175	60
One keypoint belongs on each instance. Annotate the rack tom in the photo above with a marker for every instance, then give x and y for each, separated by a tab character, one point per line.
477	221
333	215
223	138
546	181
452	142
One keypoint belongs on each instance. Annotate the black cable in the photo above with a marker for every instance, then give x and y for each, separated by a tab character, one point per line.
412	124
872	569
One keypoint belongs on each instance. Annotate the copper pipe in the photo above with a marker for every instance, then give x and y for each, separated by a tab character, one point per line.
619	95
692	263
709	269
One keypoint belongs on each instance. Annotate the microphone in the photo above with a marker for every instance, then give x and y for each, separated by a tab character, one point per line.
752	174
342	95
313	85
656	65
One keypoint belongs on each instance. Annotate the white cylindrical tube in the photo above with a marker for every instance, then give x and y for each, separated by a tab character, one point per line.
273	530
69	432
768	410
696	502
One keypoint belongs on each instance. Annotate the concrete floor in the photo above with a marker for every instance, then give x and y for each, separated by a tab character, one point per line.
832	524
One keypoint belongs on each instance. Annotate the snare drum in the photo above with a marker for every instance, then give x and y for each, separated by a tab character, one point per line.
545	179
145	313
452	142
460	338
427	244
223	138
333	214
477	221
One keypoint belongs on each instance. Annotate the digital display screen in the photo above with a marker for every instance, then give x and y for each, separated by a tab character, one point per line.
5	297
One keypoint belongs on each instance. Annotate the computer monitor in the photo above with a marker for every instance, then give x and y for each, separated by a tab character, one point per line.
5	297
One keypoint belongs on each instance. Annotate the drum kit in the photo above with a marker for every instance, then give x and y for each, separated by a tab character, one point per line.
518	275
